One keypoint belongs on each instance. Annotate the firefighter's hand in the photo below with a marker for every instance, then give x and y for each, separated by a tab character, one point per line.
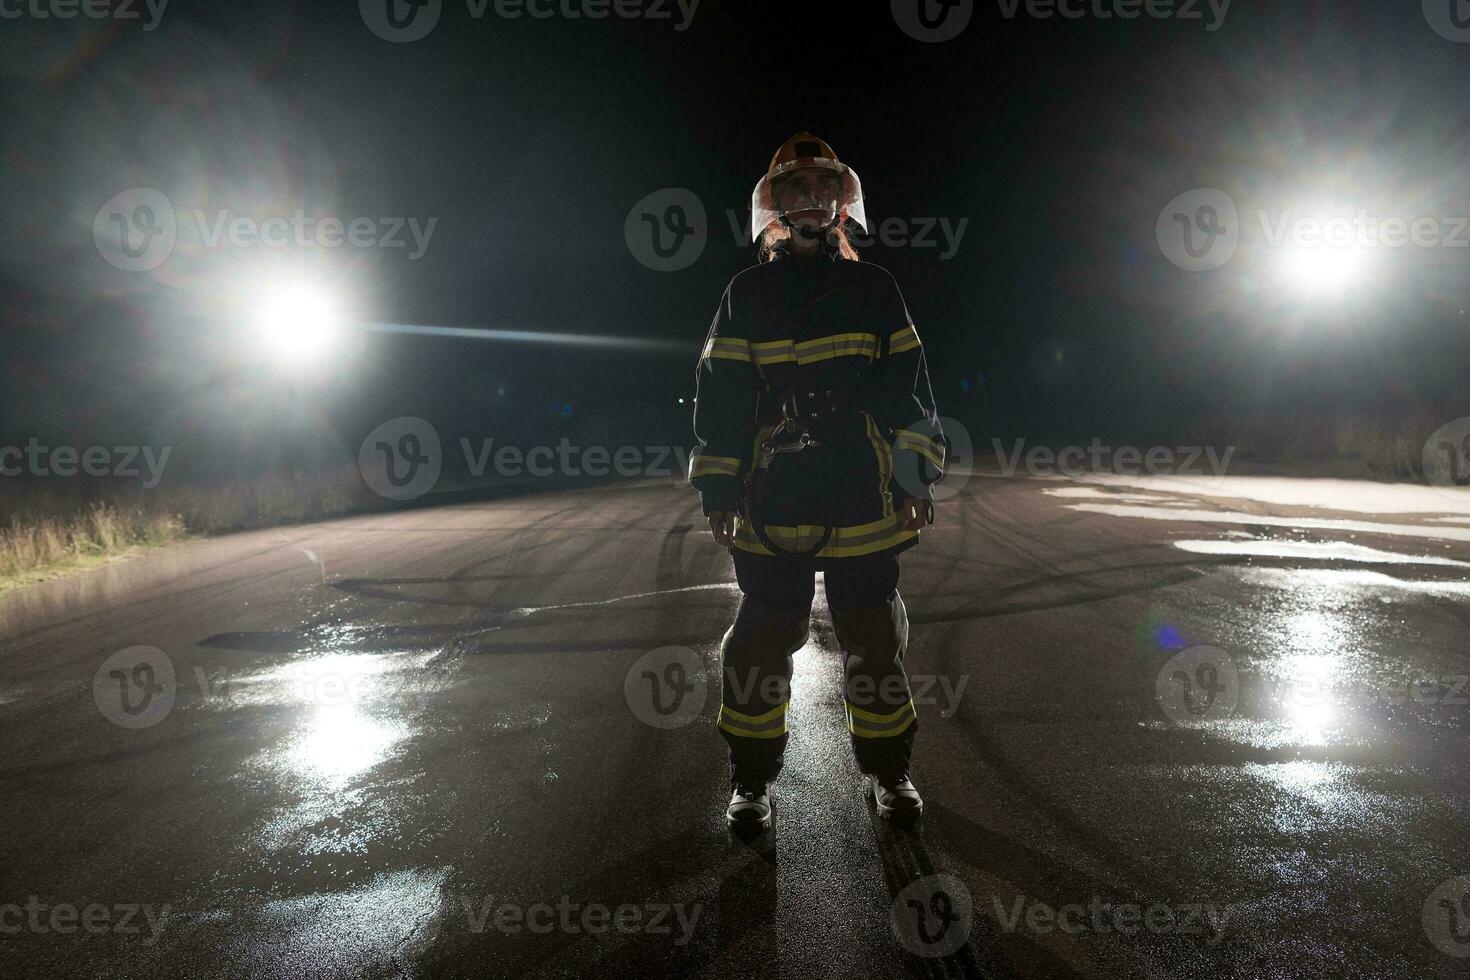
913	513
722	526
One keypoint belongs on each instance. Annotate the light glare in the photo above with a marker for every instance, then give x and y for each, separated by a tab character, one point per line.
1324	271
298	324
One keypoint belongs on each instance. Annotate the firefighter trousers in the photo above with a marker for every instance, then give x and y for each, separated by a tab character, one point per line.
771	624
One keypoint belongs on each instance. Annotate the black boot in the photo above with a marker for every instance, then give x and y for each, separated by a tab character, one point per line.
896	799
750	808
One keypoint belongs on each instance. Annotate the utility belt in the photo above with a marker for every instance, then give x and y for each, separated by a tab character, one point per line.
792	412
800	420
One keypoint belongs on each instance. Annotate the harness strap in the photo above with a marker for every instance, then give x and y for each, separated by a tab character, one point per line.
769	449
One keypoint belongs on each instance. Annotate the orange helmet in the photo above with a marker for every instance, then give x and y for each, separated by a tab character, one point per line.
805	175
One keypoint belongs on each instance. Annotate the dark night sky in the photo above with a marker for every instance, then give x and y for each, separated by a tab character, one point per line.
531	140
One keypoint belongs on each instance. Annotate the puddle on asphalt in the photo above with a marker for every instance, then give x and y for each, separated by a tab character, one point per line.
1356	496
337	678
340	742
1313	551
1325	657
1376	802
1371	585
1090	493
349	714
346	933
1437	532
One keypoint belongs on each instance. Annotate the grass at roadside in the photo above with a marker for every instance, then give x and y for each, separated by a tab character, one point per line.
46	535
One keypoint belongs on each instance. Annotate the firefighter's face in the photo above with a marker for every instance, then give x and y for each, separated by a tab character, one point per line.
808	197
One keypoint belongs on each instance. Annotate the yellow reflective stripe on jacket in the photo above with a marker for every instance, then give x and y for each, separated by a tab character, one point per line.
728	348
701	465
902	340
866	724
884	453
921	444
820	349
772	724
851	541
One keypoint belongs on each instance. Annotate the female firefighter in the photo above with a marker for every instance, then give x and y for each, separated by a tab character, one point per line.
817	443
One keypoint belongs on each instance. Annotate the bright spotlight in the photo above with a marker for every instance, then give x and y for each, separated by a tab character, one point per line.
1324	271
299	324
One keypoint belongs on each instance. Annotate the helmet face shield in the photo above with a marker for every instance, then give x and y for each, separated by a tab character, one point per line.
808	184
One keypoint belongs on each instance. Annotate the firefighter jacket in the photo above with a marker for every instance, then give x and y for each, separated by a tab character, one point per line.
830	342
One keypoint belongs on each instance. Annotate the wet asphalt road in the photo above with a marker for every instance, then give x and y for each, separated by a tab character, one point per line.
1164	733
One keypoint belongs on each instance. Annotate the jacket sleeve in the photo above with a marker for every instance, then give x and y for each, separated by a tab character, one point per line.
902	403
724	413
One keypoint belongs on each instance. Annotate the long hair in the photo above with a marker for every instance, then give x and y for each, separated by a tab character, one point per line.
778	233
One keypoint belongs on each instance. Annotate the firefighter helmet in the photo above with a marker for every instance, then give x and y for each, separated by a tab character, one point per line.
805	175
